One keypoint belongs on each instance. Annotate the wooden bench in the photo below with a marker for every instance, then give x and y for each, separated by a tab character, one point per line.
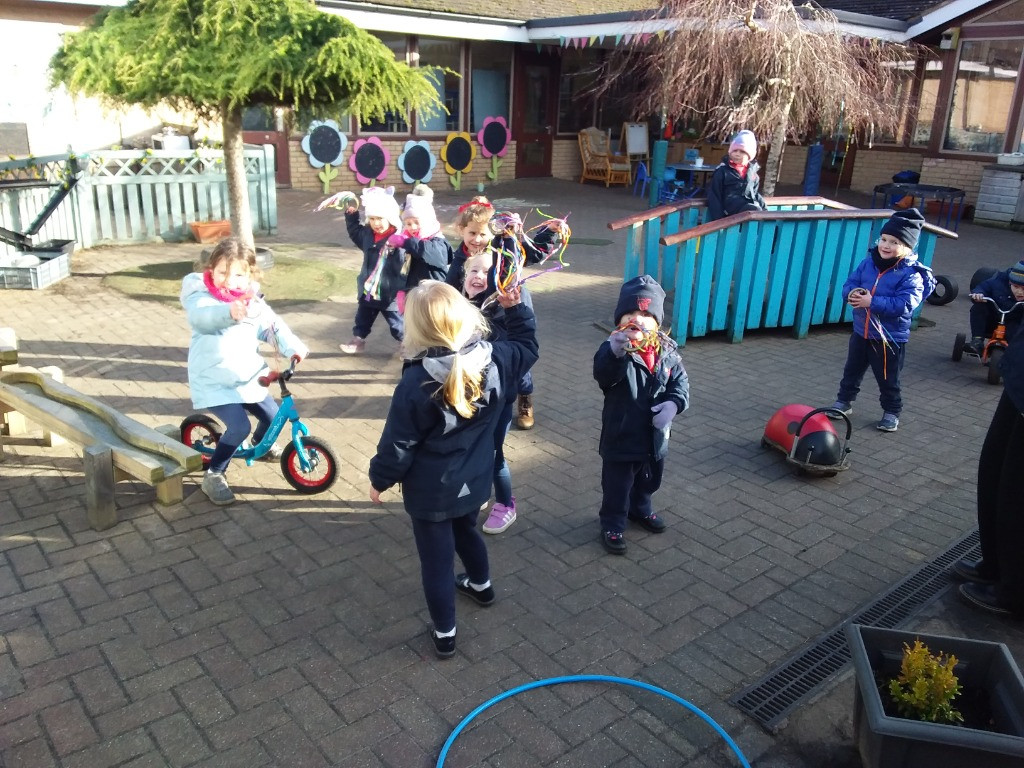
115	447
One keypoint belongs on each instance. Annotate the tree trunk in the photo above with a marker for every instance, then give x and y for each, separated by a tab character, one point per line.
773	164
234	167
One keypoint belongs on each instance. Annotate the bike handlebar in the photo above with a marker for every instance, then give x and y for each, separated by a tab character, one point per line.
1003	312
285	375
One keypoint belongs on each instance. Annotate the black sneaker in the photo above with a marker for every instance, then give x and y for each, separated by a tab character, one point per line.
983	596
480	596
615	543
652	523
973	570
444	647
974	346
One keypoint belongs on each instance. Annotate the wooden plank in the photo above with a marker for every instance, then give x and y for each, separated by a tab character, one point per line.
682	299
135	230
795	272
736	321
99	486
104	216
721	287
777	274
834	243
763	255
631	267
809	279
651	248
117	203
705	272
147	197
669	253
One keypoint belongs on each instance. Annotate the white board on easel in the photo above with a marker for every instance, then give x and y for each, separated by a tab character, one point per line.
634	141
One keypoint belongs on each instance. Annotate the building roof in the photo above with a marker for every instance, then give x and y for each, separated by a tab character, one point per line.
516	9
902	10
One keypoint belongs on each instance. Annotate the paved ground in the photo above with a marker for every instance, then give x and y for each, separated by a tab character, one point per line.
290	631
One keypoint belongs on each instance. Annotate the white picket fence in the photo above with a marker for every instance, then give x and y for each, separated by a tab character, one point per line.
132	196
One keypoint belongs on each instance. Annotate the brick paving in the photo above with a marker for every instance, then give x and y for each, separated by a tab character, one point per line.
289	630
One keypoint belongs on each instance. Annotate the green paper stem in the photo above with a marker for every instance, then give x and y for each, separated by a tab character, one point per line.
326	175
456	180
495	164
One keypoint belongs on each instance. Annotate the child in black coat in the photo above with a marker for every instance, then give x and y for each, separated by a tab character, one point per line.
1005	288
438	440
735	186
427	252
645	385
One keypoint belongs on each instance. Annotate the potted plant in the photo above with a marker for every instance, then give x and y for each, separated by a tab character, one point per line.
981	685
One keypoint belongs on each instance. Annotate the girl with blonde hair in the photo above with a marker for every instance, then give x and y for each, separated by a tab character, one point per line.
438	438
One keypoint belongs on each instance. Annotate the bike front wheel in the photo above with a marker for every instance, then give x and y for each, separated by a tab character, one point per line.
323	469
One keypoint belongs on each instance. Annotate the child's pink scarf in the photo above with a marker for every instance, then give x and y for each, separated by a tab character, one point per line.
225	294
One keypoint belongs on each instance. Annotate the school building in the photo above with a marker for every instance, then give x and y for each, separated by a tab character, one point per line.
529	67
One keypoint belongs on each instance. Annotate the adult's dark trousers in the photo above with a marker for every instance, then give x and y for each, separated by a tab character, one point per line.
235	417
885	360
437	544
1000	510
366	313
984	318
628	488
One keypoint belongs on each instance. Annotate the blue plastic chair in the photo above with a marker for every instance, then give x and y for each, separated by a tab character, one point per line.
643	178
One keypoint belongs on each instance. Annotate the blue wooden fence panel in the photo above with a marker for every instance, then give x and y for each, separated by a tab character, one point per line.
756	274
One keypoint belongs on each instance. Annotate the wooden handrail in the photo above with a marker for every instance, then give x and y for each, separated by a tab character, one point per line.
844	212
662	210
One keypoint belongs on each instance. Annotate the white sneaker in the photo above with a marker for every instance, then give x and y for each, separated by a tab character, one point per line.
216	487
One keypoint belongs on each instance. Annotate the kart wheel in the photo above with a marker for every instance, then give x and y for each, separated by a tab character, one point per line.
323	471
958	347
201	433
995	356
981	275
945	291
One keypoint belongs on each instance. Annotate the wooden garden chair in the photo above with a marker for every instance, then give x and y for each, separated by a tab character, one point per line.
599	163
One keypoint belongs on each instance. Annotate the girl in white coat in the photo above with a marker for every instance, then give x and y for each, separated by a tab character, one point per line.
229	318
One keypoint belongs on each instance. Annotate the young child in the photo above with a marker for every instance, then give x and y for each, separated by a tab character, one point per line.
884	290
473	226
229	318
645	386
1006	289
439	434
380	278
477	269
427	252
735	185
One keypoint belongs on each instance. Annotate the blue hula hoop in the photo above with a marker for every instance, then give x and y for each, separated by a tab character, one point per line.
590	679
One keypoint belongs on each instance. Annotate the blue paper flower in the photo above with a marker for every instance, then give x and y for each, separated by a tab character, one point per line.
324	143
417	162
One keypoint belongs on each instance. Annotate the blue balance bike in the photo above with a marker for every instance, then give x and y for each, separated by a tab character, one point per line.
309	464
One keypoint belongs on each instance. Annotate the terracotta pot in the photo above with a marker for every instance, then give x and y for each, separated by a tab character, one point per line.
210	231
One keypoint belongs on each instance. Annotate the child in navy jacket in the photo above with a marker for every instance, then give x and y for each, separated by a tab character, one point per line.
735	186
427	252
1005	289
380	278
884	290
645	386
438	438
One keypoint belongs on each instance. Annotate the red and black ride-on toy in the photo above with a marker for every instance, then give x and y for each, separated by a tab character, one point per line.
995	345
808	439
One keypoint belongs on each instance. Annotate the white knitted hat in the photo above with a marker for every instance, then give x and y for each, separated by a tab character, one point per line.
380	202
420	204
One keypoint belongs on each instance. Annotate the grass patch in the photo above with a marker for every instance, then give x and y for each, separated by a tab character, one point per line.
290	281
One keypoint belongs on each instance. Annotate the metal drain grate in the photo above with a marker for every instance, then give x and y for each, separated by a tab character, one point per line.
769	700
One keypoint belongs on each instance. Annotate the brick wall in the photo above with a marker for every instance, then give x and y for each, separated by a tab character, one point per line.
874	167
565	159
304	176
794	158
962	174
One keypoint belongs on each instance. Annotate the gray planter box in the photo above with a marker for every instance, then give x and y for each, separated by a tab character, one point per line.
893	742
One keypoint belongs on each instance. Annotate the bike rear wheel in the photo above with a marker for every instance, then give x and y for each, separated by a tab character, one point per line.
200	431
323	466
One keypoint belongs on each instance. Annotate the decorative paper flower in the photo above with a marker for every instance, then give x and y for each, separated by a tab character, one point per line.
458	153
417	162
493	137
324	143
369	160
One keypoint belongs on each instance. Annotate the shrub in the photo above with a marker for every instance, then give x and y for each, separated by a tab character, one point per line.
926	686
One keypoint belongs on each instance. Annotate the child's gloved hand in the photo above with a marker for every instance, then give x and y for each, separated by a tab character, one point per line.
619	341
400	301
397	240
663	414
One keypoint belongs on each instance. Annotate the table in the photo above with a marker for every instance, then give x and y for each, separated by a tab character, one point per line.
950	200
685	178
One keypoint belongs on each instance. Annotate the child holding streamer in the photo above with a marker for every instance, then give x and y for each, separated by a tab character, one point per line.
437	440
506	236
427	252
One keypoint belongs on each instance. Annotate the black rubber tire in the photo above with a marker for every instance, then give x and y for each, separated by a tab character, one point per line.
980	276
946	289
958	347
202	429
325	466
995	356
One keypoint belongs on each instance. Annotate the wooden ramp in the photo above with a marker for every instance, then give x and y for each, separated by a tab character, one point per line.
115	446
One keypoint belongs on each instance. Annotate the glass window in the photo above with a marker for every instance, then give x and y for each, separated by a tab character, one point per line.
489	82
982	95
575	97
921	131
448	54
393	122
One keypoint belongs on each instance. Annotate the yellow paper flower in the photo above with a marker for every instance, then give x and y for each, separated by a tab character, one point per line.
458	153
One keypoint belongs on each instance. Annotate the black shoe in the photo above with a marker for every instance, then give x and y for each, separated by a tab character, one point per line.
974	346
444	647
615	543
480	596
983	596
652	523
973	570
